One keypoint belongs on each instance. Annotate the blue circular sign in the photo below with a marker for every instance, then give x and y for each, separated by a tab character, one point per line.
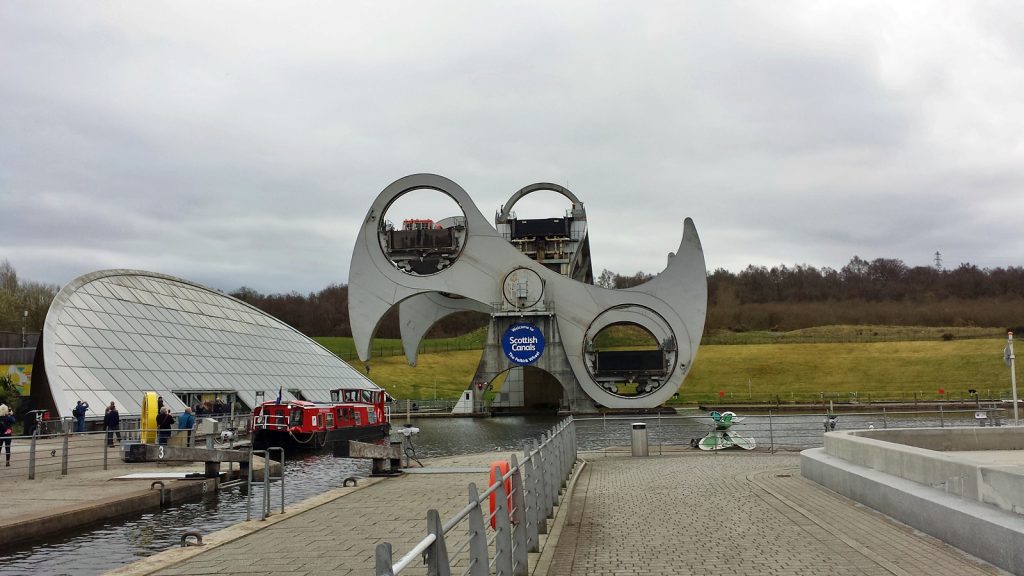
523	343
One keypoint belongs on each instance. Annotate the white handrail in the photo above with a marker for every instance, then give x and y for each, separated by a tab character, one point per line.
554	465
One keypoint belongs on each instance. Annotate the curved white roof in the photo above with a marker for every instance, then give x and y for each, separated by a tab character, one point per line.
112	335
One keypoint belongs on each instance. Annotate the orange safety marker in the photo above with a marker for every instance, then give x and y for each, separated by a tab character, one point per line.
502	466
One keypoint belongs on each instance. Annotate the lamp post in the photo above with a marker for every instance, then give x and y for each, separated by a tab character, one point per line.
24	324
1010	359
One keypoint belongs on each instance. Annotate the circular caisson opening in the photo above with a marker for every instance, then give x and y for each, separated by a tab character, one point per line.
422	231
630	351
542	203
522	288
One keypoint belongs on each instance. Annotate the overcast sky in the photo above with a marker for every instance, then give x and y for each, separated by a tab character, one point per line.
241	143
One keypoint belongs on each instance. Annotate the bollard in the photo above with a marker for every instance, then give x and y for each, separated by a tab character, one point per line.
640	439
32	457
64	456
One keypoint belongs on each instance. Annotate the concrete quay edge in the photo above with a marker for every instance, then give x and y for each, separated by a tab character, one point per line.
174	556
25	527
989	533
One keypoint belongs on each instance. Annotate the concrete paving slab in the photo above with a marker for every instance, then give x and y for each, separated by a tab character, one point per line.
736	515
338	534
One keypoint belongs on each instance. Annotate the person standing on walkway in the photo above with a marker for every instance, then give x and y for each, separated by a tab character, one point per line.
164	421
187	422
79	413
112	422
6	430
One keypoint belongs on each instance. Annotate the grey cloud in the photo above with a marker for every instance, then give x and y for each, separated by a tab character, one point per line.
243	144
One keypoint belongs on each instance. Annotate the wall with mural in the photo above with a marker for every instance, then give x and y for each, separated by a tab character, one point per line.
21	375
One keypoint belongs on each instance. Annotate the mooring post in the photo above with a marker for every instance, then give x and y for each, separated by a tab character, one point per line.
64	456
32	457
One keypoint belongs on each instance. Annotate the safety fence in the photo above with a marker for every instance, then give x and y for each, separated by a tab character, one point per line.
521	500
394	348
863	397
56	450
400	407
770	431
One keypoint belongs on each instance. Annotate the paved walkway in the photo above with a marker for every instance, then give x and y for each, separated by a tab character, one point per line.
334	534
734	514
85	482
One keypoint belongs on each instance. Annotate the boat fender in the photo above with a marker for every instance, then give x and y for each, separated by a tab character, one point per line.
502	466
347	480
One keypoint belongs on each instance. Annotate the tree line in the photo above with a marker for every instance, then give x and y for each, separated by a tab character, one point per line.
23	304
325	313
880	291
882	279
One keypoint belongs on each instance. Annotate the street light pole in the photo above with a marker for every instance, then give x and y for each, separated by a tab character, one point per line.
1010	359
24	323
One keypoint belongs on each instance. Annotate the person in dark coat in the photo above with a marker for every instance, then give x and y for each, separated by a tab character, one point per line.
79	414
6	430
112	422
164	422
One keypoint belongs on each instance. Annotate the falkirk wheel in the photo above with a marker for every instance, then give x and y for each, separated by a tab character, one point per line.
540	318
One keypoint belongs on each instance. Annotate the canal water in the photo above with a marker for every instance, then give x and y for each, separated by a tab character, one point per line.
107	546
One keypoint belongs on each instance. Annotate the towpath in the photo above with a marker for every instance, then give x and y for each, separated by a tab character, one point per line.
735	514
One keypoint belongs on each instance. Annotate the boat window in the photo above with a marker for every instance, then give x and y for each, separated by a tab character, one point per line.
359	417
344	413
296	417
335	395
330	419
368	396
276	417
351	395
314	422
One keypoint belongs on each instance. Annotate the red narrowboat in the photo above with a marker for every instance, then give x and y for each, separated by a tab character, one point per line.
299	425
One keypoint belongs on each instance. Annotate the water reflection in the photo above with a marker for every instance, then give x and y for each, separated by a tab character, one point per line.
106	546
452	436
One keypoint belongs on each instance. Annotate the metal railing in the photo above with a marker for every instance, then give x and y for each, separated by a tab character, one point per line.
55	449
774	431
523	499
276	421
413	407
268	477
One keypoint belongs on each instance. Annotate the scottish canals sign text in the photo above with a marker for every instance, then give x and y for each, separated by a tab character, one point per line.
523	343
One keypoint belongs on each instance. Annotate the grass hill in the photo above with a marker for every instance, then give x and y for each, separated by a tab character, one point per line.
871	362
